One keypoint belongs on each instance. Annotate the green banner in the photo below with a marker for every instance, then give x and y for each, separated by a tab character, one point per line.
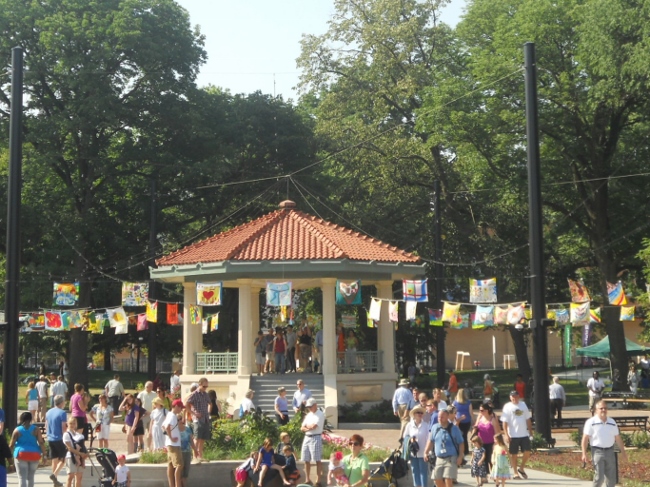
567	345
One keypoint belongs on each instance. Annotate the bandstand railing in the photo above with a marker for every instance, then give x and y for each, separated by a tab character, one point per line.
351	362
216	363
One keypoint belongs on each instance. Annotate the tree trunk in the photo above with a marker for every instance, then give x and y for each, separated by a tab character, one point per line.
618	352
521	352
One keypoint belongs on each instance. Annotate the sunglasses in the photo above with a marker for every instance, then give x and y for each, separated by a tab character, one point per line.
354	443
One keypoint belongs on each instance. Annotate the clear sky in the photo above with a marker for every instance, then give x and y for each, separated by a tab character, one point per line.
253	44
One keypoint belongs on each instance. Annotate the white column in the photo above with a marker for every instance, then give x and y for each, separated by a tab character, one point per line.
244	335
386	332
254	325
329	326
192	336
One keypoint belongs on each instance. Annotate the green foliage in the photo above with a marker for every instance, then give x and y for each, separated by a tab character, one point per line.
640	439
153	457
576	437
242	436
377	413
538	441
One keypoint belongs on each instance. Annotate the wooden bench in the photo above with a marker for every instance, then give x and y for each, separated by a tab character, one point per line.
625	400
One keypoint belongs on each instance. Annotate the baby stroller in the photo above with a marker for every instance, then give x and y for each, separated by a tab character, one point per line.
108	461
391	469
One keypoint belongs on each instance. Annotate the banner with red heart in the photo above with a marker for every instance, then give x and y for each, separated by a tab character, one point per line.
208	293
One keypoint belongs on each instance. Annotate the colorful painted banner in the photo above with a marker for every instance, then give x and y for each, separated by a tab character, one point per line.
393	311
117	318
450	312
66	293
483	317
348	293
562	315
152	311
579	313
278	294
411	310
143	324
349	320
208	293
579	292
568	343
196	314
483	290
516	314
214	322
500	315
594	315
627	313
415	290
616	294
53	321
369	321
435	317
375	309
172	314
135	293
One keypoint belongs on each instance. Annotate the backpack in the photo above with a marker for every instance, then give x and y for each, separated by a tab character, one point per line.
400	466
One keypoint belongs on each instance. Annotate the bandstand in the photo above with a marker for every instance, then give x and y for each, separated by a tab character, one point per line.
290	245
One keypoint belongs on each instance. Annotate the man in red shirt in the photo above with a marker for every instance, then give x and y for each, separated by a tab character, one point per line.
453	385
520	386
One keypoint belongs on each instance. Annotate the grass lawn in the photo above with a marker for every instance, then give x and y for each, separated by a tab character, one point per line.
504	379
97	379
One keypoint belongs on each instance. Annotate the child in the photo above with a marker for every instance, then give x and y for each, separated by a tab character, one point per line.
187	447
241	472
265	461
478	468
285	440
500	461
32	399
122	473
290	468
337	469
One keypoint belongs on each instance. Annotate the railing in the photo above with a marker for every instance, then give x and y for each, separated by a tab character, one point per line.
131	365
217	363
350	362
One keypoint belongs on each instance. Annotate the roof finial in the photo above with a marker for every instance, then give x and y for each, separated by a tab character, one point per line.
287	205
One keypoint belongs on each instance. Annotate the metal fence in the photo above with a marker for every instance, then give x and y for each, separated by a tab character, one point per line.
217	363
131	365
350	362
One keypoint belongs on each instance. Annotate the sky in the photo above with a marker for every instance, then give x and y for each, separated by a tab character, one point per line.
253	44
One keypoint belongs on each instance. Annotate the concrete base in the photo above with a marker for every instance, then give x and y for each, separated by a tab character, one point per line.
201	475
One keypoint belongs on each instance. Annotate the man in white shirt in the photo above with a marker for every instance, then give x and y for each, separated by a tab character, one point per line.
59	388
517	430
602	432
114	391
312	445
558	399
147	396
301	396
173	444
42	386
596	387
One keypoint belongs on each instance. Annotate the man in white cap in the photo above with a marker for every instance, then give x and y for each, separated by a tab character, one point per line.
312	445
403	402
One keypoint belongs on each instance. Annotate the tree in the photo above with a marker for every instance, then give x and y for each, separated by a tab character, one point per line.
593	106
103	82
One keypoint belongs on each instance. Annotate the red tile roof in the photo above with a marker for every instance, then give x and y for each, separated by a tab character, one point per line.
287	234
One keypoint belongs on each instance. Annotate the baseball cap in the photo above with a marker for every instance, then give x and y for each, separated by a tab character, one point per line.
310	402
177	402
514	393
121	457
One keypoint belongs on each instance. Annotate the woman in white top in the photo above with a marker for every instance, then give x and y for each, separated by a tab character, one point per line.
417	431
247	405
76	456
102	414
155	426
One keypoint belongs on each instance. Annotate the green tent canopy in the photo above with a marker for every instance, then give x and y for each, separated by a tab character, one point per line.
601	349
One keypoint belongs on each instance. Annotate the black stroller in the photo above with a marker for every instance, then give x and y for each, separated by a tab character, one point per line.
108	461
391	469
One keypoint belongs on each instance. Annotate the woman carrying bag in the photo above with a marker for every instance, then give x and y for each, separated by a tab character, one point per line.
29	449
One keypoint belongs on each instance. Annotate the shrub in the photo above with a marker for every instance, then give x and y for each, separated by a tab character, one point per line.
378	413
159	456
576	437
640	439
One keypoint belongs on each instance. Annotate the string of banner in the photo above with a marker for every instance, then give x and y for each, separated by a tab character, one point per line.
482	294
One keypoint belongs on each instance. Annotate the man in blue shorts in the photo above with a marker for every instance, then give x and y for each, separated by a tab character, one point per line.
57	424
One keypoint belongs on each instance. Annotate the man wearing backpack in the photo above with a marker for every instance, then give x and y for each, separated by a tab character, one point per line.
446	444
